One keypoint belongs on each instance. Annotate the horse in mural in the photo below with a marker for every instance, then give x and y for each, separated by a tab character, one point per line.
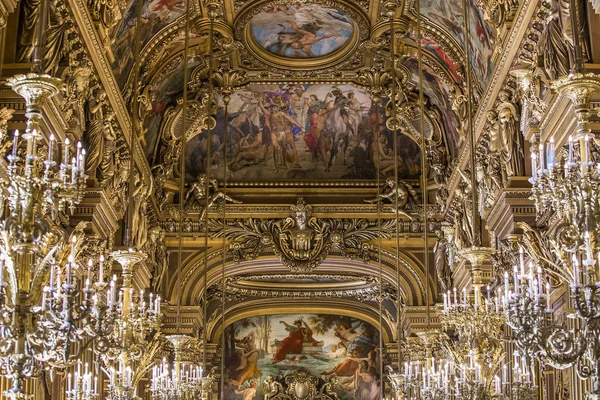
339	134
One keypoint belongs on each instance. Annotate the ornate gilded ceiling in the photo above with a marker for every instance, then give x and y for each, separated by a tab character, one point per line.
294	58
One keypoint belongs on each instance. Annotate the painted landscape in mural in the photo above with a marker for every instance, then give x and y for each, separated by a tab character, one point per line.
306	132
448	14
301	30
276	345
156	14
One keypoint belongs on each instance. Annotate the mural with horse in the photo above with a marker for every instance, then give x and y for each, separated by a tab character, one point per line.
304	132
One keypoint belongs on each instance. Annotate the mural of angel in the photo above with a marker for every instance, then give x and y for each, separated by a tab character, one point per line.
301	31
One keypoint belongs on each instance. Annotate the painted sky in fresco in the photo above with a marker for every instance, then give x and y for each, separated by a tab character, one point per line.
301	31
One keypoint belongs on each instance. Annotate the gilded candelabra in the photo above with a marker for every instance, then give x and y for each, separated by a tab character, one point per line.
572	190
124	351
38	327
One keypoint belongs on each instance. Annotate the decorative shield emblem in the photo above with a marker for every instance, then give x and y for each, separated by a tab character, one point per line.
301	390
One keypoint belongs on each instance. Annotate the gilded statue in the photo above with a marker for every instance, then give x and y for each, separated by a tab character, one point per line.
398	195
120	180
106	169
94	134
54	36
509	139
105	15
199	192
141	193
443	268
160	257
273	389
556	43
463	220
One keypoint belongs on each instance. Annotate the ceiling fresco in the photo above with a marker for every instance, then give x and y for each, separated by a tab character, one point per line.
303	132
448	15
155	15
301	31
284	125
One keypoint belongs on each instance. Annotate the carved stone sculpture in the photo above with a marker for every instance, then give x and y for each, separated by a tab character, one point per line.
463	219
399	195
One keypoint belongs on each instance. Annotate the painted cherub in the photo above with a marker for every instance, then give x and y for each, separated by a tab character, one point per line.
305	38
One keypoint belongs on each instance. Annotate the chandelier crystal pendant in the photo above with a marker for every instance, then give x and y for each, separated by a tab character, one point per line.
572	190
182	381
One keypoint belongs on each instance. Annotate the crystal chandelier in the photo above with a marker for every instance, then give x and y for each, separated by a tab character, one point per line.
181	382
38	325
571	189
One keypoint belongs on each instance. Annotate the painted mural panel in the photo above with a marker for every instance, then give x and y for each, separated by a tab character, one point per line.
448	14
156	14
306	132
276	345
301	30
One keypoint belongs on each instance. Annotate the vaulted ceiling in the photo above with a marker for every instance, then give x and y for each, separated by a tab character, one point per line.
284	48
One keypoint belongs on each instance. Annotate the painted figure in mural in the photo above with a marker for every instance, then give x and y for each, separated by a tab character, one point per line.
280	125
248	392
248	359
299	333
366	382
299	106
271	388
301	31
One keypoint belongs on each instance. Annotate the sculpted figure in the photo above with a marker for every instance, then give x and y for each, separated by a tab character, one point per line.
556	44
140	195
106	169
200	191
464	216
441	252
273	389
161	259
402	191
93	136
511	139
